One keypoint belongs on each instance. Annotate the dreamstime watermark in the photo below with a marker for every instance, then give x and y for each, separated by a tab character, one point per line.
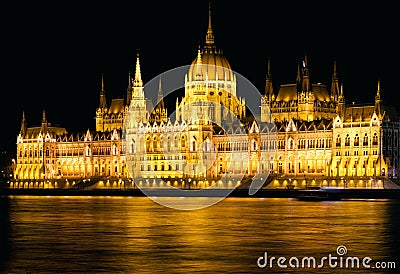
338	260
188	148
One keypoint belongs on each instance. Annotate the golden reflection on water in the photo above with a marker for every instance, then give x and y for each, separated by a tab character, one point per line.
137	235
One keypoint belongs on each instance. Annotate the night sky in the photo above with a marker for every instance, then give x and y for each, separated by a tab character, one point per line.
54	53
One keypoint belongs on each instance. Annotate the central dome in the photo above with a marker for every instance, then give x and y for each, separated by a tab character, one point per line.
210	64
213	64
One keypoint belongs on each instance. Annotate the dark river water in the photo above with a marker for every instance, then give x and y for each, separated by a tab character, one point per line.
236	235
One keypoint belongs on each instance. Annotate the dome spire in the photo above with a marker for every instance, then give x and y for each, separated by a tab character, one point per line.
210	35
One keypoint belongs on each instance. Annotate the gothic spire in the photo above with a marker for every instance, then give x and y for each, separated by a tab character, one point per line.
269	68
160	96
44	122
298	75
335	83
305	65
341	98
137	82
341	102
268	82
23	124
159	113
378	100
103	102
44	119
306	79
378	91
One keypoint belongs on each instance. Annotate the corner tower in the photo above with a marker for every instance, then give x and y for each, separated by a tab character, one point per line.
304	100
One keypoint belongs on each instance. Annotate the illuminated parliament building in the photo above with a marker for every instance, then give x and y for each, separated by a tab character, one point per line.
307	134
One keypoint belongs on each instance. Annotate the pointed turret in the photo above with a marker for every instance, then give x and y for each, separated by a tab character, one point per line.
159	113
268	97
298	75
44	123
298	78
341	94
137	82
378	100
210	35
199	64
103	102
160	96
269	91
306	87
139	112
335	83
44	119
137	89
378	91
23	124
341	102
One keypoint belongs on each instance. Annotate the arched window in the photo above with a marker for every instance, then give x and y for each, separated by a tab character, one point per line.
88	150
375	139
148	144
291	144
114	149
155	143
356	140
365	140
347	141
338	141
183	142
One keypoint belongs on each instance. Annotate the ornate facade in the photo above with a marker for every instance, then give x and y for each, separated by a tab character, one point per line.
306	134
